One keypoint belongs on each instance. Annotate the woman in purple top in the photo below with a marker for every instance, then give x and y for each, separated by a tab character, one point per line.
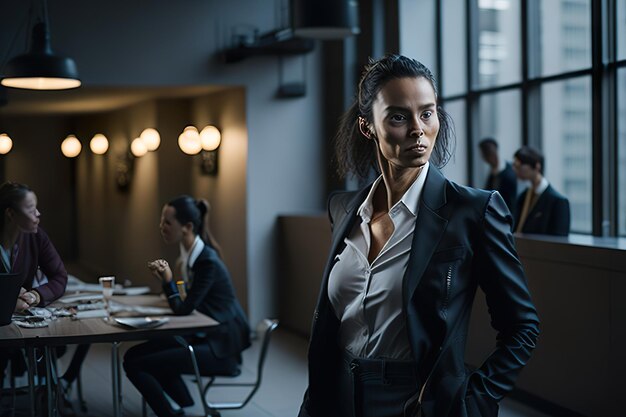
26	249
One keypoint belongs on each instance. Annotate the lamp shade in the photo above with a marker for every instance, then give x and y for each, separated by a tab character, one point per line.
71	146
138	148
210	137
151	138
325	19
99	144
189	141
41	69
6	144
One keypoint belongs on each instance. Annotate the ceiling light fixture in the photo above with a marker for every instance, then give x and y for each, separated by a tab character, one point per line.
40	68
325	19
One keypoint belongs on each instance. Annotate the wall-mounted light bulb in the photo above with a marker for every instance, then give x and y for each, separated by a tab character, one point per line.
151	138
6	144
189	141
138	148
210	138
71	146
99	144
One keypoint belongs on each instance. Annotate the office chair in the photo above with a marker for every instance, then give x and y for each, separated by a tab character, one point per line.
264	331
212	409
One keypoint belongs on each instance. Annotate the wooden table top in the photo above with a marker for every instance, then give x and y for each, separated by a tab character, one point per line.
65	330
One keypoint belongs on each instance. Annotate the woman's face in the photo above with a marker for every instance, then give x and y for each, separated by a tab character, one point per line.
26	214
171	229
405	122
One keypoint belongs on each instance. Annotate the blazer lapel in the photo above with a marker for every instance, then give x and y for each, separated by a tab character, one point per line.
343	226
429	228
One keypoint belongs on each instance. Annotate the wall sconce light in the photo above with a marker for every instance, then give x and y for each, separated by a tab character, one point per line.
189	141
126	162
210	138
71	146
138	148
40	68
6	144
151	139
99	144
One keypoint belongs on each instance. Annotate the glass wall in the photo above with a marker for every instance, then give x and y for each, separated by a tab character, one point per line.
567	139
499	37
454	49
621	29
565	35
499	117
549	103
621	146
456	169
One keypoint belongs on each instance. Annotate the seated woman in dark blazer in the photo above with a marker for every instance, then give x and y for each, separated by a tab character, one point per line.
407	255
155	367
26	248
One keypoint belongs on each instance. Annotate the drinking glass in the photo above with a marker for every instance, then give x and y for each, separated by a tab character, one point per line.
108	285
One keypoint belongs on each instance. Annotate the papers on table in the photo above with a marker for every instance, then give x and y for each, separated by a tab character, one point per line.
90	314
76	285
80	298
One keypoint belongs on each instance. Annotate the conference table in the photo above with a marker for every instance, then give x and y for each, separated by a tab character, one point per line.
66	330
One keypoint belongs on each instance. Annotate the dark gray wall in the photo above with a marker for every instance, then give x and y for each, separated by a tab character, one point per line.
122	43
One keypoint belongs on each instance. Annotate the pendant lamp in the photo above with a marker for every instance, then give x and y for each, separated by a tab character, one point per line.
325	19
40	68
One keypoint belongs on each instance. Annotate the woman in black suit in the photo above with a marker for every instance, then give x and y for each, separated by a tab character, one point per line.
156	366
407	256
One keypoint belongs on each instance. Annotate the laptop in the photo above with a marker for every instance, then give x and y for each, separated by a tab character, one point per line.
10	285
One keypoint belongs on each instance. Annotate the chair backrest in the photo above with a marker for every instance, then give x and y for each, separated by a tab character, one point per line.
264	331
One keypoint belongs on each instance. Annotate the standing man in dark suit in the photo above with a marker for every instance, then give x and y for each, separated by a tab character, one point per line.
501	175
540	208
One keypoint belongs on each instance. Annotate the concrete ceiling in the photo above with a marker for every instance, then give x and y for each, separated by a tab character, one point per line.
92	99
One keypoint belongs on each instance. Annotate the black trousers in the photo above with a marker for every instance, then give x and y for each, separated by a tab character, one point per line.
155	368
376	387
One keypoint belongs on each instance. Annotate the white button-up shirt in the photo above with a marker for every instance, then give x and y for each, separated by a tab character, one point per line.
367	298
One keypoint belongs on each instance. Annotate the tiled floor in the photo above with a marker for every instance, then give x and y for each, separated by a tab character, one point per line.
279	396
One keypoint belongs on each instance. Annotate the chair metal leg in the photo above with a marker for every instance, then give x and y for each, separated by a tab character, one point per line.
32	368
115	376
79	392
50	382
207	410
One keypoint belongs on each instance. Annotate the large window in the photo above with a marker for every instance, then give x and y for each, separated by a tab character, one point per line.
523	72
454	50
621	146
499	38
565	35
499	117
621	29
566	144
456	169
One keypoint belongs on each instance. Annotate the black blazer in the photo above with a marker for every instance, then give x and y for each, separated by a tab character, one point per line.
458	229
212	293
505	182
549	216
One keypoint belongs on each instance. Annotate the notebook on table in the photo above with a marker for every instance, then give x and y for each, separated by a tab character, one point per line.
10	285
